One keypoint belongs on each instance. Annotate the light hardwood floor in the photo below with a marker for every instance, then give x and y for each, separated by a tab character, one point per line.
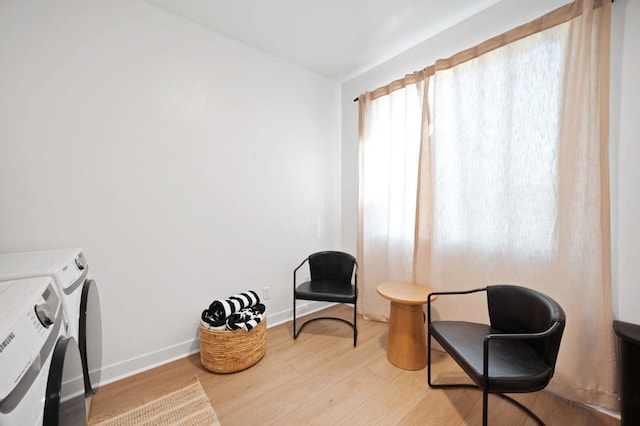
321	379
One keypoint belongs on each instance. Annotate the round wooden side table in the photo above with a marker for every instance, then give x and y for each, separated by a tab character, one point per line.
407	345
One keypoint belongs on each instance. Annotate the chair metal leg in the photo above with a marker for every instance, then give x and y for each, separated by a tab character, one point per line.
429	357
521	407
485	407
295	334
442	385
485	394
355	325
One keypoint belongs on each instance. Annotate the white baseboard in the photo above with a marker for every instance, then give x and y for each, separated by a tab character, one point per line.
121	370
301	310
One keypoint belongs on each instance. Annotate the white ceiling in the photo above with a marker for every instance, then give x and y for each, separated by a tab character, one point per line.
336	38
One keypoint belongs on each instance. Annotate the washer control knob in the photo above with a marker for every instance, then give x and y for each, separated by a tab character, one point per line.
81	262
44	314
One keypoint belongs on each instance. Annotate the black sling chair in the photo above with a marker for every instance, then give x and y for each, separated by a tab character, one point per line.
516	353
331	281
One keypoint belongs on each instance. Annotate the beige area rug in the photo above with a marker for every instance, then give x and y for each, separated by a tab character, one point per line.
182	404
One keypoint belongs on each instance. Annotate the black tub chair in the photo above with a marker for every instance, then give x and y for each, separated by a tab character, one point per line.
334	278
516	353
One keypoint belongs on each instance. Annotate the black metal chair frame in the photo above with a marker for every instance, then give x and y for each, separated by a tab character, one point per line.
353	325
487	340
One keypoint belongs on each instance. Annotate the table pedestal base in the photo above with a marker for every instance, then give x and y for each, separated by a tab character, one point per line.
407	346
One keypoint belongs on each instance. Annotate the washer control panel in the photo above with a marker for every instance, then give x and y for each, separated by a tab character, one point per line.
30	321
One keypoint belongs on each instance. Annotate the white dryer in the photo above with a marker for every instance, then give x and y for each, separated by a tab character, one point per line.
79	294
39	364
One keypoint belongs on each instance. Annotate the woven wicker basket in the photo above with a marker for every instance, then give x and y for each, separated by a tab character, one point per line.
231	351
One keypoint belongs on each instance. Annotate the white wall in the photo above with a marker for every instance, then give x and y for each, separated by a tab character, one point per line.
625	157
187	165
625	126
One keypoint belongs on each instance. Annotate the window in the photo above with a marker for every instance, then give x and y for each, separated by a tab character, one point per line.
494	132
495	135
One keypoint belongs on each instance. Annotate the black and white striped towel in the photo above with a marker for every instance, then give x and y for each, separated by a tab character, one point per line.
246	318
219	310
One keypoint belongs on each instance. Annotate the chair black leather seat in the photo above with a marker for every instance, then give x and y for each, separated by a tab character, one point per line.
514	366
334	278
326	291
515	353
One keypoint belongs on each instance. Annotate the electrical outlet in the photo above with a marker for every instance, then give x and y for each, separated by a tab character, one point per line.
266	293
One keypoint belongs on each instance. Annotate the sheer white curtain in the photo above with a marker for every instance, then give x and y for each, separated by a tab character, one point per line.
512	185
493	166
388	182
494	147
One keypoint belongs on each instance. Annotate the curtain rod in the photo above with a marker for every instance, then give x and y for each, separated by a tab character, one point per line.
356	99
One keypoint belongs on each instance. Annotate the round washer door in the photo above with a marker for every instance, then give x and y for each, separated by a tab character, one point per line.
90	336
64	402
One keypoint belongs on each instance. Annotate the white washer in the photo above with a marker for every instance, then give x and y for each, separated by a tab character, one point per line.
39	364
79	295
